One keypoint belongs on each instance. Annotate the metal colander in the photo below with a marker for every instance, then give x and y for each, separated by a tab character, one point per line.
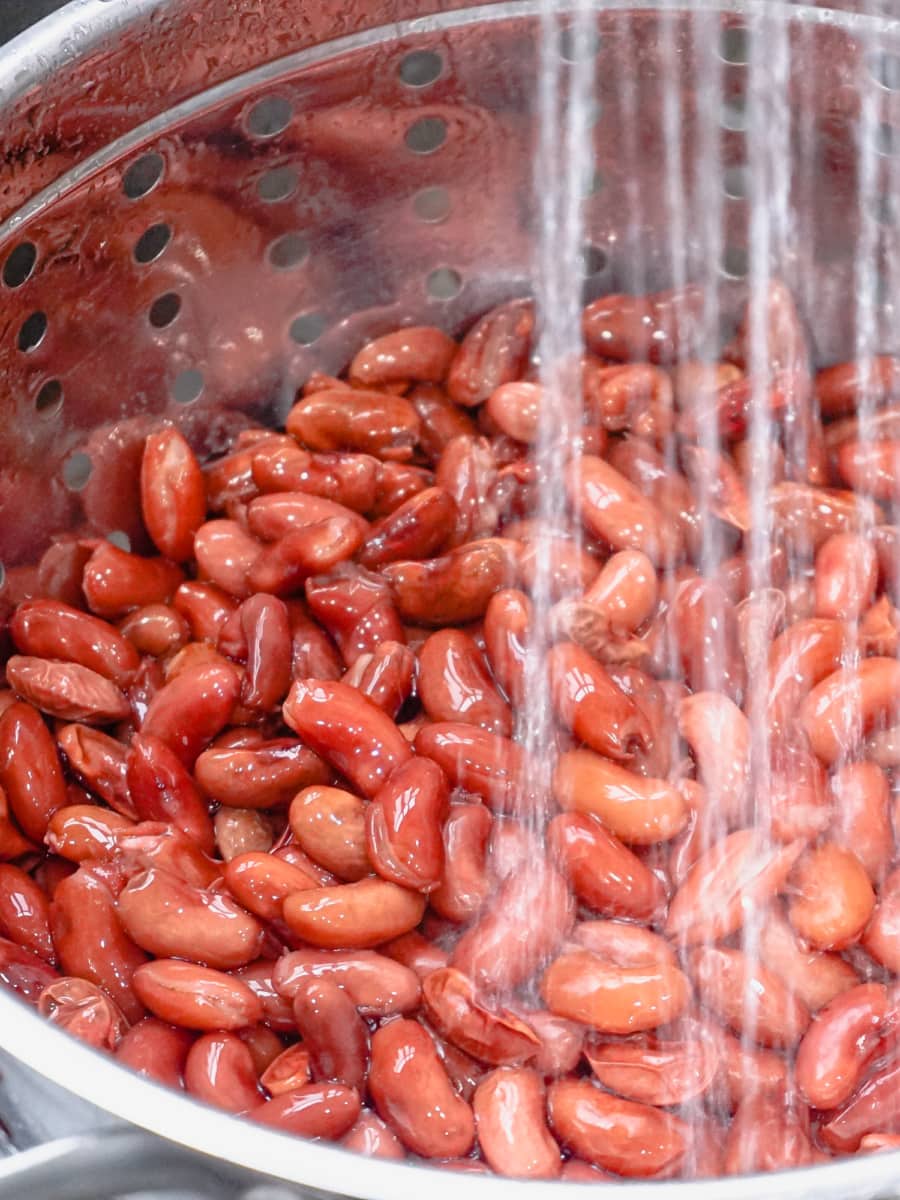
204	200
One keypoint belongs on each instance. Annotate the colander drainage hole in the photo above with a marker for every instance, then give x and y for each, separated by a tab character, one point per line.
164	310
443	284
2	575
577	46
432	204
735	262
187	386
77	470
269	116
426	135
593	259
143	175
887	140
736	181
119	538
420	67
734	45
32	332
885	68
19	264
277	184
307	328
152	243
290	250
49	399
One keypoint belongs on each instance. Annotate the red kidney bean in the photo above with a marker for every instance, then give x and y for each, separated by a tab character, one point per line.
615	511
333	1032
25	912
657	327
371	1137
419	352
347	479
442	420
492	951
171	919
90	941
815	977
30	772
631	1139
173	493
24	971
314	1111
205	608
614	999
493	352
266	774
660	1073
454	684
100	763
348	730
353	915
83	1010
377	985
861	821
480	762
454	588
50	629
156	1050
81	832
512	1127
261	883
730	879
192	708
841	388
196	997
494	1036
841	710
465	883
161	789
404	826
276	1011
330	825
115	581
157	629
766	1136
837	1045
831	898
882	937
589	703
604	873
726	978
718	735
634	808
287	1072
507	621
369	422
417	528
872	1108
219	1070
387	676
414	1095
67	691
152	844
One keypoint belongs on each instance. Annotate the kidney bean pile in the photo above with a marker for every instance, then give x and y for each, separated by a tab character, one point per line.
267	834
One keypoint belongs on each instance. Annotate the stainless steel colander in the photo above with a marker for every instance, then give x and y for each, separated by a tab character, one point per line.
203	200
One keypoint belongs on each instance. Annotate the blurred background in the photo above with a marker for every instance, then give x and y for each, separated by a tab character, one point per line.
16	15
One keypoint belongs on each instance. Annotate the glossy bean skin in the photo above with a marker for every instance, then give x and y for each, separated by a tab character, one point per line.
82	1009
330	825
286	1072
156	1050
718	735
419	352
882	936
170	919
51	629
195	997
366	422
314	1111
454	588
24	972
81	832
492	353
418	528
348	730
613	999
589	703
613	509
157	629
67	691
332	1031
862	819
836	1046
657	1073
484	763
403	824
173	493
162	789
371	1137
604	874
766	1136
219	1070
846	576
724	977
25	912
90	941
636	809
353	916
816	977
465	883
377	985
831	898
261	883
265	774
631	1139
30	771
872	1108
506	625
495	1036
844	707
241	830
413	1094
512	1127
491	951
454	684
192	708
115	581
100	763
